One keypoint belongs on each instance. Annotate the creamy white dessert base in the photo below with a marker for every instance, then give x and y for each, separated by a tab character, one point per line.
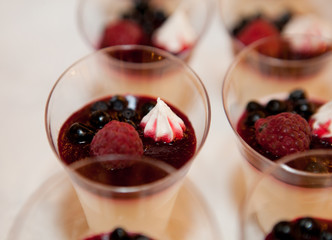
146	214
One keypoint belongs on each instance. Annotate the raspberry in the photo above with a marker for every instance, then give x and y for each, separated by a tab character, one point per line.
116	138
255	30
283	134
121	33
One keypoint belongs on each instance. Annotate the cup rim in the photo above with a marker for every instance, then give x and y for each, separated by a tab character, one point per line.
172	173
314	152
281	165
238	60
167	55
182	55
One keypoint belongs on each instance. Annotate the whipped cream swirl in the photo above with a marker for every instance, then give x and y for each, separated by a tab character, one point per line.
162	124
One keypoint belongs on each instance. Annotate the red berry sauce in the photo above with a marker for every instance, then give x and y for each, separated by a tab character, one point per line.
77	132
135	25
255	27
296	102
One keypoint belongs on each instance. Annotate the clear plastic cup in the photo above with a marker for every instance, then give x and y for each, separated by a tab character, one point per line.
286	192
135	71
256	77
286	17
183	22
142	203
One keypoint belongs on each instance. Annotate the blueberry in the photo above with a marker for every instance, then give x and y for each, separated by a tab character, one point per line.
141	6
80	133
254	106
119	234
296	95
283	231
307	228
159	17
283	20
99	119
325	235
304	108
147	107
118	103
316	167
129	116
240	26
276	106
99	106
140	237
148	27
252	117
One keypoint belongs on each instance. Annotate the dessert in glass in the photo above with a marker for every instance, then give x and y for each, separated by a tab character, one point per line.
126	191
129	100
291	199
249	21
175	25
54	212
277	107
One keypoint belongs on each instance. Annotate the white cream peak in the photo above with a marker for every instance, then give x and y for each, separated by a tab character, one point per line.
323	118
176	33
308	26
162	124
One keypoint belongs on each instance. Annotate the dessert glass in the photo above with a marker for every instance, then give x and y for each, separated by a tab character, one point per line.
94	15
283	193
253	76
54	212
136	207
233	12
134	70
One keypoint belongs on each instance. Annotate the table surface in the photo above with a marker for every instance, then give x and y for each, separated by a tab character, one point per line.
39	41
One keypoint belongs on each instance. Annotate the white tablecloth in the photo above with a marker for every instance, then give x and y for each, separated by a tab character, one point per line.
39	40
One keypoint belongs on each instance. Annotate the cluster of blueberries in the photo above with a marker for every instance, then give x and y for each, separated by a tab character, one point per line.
296	102
146	16
306	228
101	113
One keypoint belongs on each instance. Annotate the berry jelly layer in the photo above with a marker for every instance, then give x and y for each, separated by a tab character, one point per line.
130	109
135	26
254	27
254	110
247	132
302	228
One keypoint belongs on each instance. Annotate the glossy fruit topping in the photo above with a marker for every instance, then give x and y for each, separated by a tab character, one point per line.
80	133
305	228
255	30
93	121
134	26
265	130
122	32
283	134
116	138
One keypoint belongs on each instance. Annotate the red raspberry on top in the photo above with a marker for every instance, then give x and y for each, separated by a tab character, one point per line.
121	33
283	134
116	138
257	29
